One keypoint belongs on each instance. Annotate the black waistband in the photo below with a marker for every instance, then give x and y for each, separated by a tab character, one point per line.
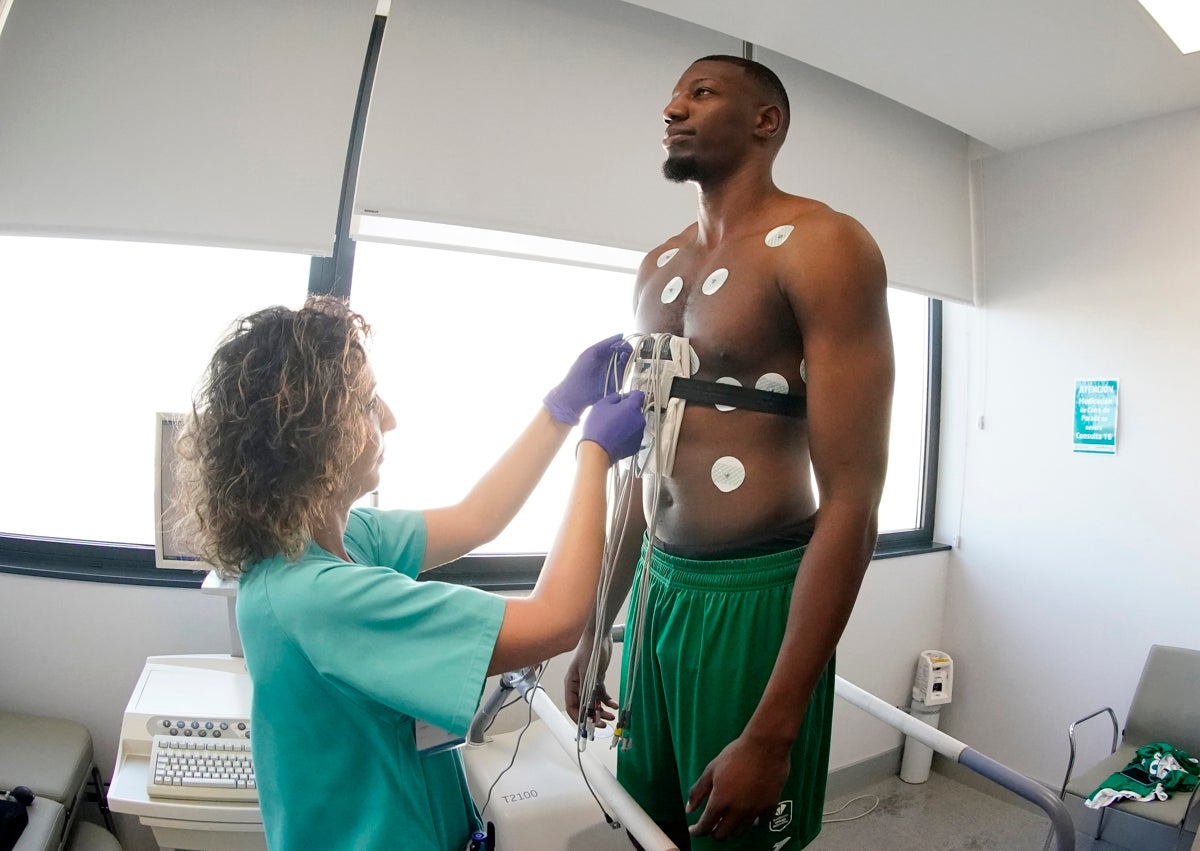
750	398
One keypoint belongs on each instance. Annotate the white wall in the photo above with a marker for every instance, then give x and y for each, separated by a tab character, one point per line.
1070	566
899	613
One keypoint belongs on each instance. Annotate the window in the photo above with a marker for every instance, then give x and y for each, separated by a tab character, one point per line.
465	347
98	336
902	505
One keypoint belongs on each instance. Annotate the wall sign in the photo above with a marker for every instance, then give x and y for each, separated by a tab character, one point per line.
1096	416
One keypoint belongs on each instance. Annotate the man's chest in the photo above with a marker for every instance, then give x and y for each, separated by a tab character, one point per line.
730	304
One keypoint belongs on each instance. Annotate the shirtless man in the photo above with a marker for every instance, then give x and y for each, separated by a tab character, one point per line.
751	587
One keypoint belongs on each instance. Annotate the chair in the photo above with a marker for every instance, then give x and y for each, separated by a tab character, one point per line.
1165	708
54	758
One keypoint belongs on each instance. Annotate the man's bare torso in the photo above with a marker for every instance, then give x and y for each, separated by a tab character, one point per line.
739	475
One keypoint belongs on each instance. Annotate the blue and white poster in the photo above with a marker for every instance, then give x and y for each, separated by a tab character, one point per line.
1096	416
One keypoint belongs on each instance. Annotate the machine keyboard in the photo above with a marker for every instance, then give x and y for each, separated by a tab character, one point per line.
207	769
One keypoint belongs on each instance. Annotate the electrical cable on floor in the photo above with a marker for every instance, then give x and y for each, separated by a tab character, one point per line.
825	816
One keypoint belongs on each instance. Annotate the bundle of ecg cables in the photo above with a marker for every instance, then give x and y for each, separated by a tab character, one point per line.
655	362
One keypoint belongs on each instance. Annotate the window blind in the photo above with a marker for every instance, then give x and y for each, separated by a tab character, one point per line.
220	123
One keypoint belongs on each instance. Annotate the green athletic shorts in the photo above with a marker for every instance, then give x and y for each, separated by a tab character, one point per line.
712	631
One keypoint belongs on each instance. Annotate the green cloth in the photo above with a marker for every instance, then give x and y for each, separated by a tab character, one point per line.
1167	768
343	658
712	632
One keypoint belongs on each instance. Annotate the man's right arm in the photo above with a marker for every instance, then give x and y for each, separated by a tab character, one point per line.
624	564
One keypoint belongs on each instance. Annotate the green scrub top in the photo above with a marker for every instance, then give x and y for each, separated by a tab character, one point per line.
342	659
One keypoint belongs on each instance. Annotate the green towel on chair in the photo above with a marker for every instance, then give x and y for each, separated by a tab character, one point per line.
1156	771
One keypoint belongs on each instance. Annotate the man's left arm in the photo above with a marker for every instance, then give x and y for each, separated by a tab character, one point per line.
841	309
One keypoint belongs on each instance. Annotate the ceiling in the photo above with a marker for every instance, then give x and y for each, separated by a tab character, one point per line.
1010	73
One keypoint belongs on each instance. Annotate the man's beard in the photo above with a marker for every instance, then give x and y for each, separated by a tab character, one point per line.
681	169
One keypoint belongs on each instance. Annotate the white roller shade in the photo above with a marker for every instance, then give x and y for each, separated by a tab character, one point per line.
902	174
541	117
544	118
222	123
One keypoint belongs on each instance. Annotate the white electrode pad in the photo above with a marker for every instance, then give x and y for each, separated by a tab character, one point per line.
779	235
714	281
672	289
725	379
665	257
772	382
728	473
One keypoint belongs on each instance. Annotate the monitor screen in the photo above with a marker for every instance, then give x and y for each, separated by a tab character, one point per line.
171	547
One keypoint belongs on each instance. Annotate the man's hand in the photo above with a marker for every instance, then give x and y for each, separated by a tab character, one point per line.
576	672
741	785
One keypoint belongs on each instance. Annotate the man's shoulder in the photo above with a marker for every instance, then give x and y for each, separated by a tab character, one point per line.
817	217
654	256
825	231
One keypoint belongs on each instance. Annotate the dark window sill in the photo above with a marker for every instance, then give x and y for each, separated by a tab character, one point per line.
121	564
899	549
131	564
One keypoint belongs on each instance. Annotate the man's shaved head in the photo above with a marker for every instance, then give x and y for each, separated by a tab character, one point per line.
766	79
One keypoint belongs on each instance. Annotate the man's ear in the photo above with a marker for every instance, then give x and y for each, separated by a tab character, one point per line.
769	122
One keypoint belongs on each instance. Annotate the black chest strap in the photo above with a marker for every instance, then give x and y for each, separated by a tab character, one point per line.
713	393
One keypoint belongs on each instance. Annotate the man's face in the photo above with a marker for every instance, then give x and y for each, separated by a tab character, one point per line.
710	122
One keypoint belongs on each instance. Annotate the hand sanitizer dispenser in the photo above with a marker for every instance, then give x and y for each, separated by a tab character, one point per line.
935	678
932	687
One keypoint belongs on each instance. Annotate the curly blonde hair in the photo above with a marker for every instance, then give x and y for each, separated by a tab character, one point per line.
281	414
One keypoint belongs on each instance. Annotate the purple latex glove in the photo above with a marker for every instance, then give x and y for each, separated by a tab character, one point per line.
588	380
616	423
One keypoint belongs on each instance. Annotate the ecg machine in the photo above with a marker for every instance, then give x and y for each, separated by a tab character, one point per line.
196	709
543	796
186	693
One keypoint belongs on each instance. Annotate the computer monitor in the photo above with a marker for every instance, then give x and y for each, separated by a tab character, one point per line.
171	547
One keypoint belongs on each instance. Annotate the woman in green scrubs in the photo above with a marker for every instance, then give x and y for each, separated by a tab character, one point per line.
346	650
